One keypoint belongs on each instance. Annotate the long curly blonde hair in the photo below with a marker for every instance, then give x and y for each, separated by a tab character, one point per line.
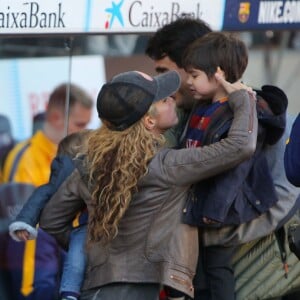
116	160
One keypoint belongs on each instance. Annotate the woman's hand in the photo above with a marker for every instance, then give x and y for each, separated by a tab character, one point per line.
232	87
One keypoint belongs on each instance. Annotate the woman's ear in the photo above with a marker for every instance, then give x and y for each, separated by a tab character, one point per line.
149	122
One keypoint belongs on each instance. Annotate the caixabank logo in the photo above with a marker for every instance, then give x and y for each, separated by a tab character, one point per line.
31	14
145	14
114	14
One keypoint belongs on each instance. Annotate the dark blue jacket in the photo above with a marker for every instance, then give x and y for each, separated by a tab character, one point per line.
292	154
246	191
48	256
61	168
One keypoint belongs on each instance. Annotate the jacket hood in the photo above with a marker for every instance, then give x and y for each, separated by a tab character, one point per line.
272	105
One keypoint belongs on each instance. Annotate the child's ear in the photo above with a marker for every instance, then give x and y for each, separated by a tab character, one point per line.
221	72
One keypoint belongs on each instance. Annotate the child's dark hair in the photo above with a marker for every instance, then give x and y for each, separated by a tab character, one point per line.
217	49
74	143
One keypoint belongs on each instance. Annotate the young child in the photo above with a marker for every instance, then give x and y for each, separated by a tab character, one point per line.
244	192
24	227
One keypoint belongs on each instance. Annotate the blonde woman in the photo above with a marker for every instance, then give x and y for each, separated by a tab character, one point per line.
135	188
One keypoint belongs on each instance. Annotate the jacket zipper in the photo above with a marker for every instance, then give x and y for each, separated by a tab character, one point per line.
252	101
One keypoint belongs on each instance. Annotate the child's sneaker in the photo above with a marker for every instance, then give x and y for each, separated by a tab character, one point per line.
69	296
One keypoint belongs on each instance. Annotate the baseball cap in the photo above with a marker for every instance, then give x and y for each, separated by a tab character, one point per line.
128	96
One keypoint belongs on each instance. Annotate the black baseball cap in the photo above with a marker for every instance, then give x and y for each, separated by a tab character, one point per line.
128	96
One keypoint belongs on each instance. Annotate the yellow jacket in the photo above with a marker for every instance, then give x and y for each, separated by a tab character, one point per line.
29	161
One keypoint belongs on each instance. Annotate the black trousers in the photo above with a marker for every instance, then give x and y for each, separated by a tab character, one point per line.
214	278
123	291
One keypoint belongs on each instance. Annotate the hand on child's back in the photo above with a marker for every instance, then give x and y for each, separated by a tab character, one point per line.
232	87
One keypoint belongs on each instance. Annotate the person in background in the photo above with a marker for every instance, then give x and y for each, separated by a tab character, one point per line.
134	188
292	154
35	264
166	47
38	122
7	141
292	168
23	228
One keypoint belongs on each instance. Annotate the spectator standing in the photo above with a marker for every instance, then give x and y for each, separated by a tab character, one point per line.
292	154
7	141
35	264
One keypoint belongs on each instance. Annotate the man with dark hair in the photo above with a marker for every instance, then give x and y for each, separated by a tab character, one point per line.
166	47
35	264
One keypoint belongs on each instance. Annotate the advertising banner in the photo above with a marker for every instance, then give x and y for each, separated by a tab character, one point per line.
262	15
148	16
21	17
41	17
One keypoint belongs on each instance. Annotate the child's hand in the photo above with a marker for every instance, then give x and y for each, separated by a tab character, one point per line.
21	231
23	235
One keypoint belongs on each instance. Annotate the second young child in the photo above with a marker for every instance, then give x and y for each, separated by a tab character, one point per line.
24	226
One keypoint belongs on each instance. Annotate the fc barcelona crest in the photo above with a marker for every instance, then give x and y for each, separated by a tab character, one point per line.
244	12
